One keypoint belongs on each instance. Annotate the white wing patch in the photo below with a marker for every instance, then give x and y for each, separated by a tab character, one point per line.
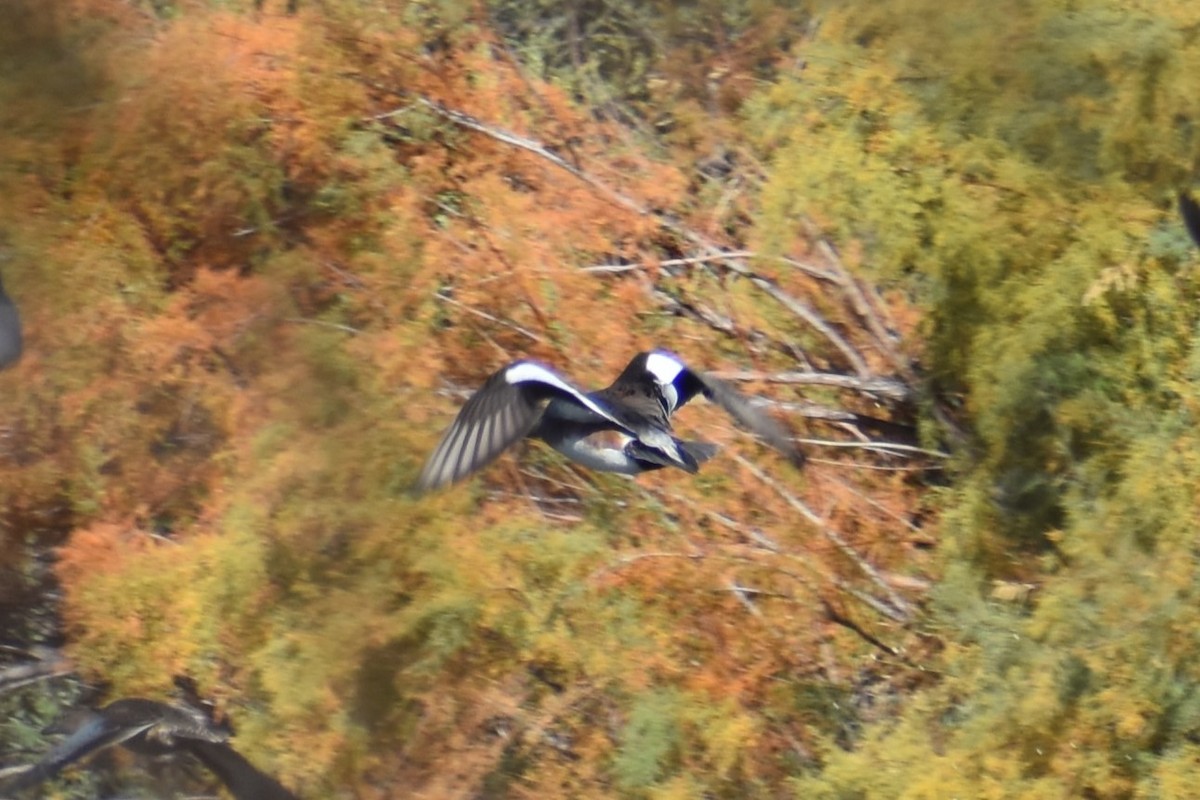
530	372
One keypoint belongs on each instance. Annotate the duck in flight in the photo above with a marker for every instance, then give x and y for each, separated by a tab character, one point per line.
526	398
151	728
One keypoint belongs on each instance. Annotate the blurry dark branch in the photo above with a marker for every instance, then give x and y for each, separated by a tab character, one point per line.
697	311
804	312
838	416
761	541
841	619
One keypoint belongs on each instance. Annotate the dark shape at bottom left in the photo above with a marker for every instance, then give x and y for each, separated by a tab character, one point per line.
149	727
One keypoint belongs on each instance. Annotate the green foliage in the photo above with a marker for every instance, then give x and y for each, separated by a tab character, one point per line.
1007	195
227	255
649	742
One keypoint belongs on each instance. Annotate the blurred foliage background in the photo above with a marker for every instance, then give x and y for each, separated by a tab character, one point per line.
263	251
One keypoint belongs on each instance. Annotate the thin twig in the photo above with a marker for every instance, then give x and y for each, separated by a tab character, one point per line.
742	593
670	262
323	324
468	121
883	387
870	313
815	320
841	619
730	261
886	447
490	318
832	535
624	561
50	664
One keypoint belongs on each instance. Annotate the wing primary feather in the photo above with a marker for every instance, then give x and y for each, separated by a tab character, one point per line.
466	451
483	442
446	453
756	420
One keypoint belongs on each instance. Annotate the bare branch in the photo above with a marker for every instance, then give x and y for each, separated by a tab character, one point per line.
900	605
624	561
323	324
883	387
670	262
445	298
743	593
890	448
49	664
730	261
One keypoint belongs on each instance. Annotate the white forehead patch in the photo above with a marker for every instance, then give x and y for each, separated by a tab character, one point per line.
663	366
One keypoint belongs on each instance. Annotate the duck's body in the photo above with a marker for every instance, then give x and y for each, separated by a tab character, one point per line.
526	398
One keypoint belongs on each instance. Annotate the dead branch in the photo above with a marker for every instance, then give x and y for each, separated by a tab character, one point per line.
467	121
742	593
323	324
840	619
670	262
870	313
814	271
888	448
49	664
815	320
445	298
624	561
899	604
711	249
881	387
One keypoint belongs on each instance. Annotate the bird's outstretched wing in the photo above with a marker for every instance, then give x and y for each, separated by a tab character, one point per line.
163	724
243	779
94	734
502	412
757	421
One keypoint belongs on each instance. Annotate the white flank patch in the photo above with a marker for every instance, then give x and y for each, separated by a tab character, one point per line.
531	372
664	367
